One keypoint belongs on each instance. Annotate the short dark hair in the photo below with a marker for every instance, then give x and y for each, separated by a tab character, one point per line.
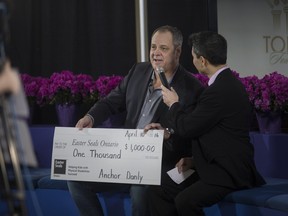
176	34
211	45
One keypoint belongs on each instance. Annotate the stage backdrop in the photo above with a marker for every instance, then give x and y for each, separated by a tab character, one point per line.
257	35
95	36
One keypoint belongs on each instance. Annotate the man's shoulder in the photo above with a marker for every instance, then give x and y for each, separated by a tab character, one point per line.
140	71
142	66
184	72
188	76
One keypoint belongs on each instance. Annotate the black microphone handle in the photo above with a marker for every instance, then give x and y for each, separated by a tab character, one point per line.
164	79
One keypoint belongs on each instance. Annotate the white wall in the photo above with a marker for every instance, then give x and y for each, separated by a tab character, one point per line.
257	40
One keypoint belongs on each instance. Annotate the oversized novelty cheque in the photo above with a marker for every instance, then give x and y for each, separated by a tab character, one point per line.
107	155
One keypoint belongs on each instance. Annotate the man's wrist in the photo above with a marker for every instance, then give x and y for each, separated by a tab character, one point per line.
173	104
91	117
170	130
168	133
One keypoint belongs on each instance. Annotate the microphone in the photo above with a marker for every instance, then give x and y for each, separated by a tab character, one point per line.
162	76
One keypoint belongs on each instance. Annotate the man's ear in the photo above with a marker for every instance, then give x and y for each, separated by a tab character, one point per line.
204	61
178	52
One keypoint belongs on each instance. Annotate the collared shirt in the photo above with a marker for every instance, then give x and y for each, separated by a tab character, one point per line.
152	100
213	78
151	103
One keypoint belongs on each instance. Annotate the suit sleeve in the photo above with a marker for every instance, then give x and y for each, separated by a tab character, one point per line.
113	103
197	121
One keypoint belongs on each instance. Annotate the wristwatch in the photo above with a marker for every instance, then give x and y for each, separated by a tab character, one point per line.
170	130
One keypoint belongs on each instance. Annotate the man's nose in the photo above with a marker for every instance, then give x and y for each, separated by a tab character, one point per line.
157	52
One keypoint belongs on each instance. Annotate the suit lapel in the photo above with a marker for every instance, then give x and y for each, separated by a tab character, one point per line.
141	92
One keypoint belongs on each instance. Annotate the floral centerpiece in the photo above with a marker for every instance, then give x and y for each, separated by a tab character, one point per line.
36	89
269	97
269	94
67	91
65	88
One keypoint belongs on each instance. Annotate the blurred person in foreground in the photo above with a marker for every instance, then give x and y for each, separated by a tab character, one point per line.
9	79
139	95
222	153
13	104
15	145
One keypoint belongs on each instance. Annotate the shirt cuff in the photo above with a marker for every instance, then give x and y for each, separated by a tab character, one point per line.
91	117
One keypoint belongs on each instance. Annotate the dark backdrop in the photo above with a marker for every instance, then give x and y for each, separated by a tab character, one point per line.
84	36
95	36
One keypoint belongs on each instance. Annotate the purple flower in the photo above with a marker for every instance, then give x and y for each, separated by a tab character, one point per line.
31	87
65	87
88	88
43	94
269	93
202	78
105	84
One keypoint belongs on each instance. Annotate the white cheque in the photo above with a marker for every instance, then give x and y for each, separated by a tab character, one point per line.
107	155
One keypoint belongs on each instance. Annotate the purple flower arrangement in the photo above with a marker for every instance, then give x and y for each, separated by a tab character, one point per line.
65	87
68	88
269	94
34	88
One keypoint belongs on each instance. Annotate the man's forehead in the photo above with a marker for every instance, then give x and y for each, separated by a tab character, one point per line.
163	38
165	34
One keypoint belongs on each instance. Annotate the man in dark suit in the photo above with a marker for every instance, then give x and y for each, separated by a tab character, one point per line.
139	95
223	156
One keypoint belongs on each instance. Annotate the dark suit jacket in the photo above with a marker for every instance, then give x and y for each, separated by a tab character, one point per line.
129	97
219	126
